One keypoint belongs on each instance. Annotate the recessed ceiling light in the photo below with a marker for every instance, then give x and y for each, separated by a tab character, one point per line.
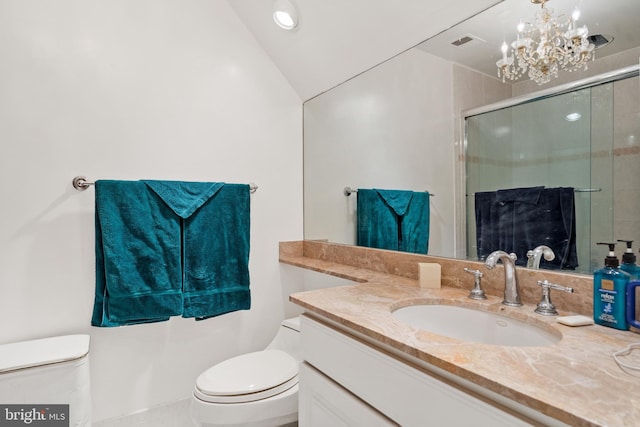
573	117
285	14
501	131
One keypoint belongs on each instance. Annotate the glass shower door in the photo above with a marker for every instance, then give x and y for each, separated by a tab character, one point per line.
547	143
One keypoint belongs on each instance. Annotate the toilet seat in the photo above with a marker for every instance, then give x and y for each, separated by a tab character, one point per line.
248	377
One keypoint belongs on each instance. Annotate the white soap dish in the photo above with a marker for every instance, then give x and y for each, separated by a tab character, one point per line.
576	320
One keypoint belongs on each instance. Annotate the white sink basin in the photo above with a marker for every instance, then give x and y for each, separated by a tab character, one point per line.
474	325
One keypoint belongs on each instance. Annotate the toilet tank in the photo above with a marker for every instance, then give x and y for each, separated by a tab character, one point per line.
287	338
48	371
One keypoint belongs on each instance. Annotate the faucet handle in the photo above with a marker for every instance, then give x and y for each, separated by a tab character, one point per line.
546	283
545	307
476	292
534	256
476	273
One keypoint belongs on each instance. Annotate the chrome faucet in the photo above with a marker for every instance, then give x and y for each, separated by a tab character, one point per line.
511	289
545	306
534	256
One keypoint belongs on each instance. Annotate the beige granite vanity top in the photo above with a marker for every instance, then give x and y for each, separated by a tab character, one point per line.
576	381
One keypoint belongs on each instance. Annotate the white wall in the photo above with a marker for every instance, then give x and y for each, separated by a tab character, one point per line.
125	89
392	128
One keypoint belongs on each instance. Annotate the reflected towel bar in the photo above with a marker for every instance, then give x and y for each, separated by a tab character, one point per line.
348	190
80	183
575	190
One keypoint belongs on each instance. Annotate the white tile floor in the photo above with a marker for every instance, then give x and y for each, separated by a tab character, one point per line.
171	415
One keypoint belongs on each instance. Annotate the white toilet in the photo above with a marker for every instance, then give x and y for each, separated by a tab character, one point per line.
257	389
45	372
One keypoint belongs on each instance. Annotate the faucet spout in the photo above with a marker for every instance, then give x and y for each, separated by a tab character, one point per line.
534	256
511	288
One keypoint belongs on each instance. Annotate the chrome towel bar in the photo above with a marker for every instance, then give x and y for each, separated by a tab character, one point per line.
80	183
348	190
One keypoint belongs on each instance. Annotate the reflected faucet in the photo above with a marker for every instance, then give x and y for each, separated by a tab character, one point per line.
511	289
534	256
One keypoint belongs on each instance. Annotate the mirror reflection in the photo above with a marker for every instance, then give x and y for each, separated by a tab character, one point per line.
564	155
400	126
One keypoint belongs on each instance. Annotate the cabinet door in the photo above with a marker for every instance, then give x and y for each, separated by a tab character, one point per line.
324	403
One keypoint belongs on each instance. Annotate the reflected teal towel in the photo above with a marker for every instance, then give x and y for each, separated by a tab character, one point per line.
166	248
393	219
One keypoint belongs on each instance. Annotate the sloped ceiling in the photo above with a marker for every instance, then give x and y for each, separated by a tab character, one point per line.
338	39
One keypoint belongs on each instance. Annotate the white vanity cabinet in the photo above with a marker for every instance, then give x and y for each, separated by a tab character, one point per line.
343	380
324	403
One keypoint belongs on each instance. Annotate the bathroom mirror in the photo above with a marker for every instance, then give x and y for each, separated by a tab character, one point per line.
400	124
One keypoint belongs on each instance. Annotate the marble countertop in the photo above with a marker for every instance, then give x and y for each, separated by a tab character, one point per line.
576	381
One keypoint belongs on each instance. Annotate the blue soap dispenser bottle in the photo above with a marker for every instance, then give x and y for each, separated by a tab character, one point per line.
629	261
609	290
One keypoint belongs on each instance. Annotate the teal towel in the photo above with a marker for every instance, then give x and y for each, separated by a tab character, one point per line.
184	198
216	229
166	248
138	272
393	219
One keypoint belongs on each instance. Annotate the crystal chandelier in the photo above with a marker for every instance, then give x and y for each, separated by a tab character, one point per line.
543	48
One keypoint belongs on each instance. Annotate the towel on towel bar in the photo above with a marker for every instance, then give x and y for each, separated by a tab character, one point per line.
393	219
215	244
519	219
166	248
138	272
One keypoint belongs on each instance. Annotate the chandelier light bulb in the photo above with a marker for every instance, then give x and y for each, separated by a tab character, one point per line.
505	48
575	15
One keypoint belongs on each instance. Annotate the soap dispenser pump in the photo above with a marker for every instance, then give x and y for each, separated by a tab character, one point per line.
609	290
629	261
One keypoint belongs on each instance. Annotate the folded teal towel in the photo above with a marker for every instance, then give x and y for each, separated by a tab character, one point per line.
397	200
393	219
216	244
166	248
138	272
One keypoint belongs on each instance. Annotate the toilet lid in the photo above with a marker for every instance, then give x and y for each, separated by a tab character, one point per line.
43	351
248	377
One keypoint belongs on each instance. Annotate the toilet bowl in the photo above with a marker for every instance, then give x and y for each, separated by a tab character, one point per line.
258	389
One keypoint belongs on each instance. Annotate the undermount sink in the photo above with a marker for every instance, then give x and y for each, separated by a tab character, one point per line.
473	325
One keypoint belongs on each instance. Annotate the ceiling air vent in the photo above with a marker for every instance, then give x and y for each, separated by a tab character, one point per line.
600	40
467	38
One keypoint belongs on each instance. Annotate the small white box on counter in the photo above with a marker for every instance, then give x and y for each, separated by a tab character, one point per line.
429	275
